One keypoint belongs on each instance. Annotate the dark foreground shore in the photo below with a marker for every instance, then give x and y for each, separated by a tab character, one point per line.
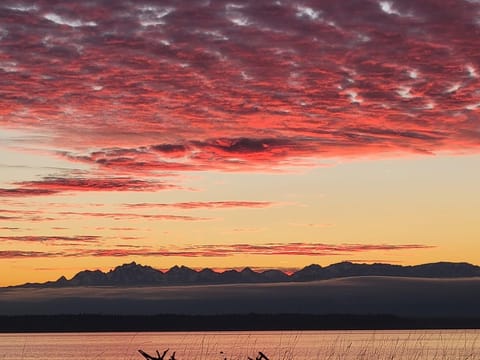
248	322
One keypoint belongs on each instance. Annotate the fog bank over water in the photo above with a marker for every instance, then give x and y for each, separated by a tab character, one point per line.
358	295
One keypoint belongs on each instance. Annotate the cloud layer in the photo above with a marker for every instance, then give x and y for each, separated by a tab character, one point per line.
137	96
192	251
56	185
136	87
204	205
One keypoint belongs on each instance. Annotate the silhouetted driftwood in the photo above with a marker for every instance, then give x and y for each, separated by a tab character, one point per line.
261	356
159	357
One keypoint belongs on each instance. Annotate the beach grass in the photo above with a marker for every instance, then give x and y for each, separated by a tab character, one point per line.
416	345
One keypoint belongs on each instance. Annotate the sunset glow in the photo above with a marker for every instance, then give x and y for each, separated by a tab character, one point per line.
270	134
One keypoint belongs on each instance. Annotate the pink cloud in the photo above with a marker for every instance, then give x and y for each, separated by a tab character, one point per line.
133	94
193	251
39	216
20	192
255	88
15	254
294	249
120	215
205	205
22	215
57	185
4	217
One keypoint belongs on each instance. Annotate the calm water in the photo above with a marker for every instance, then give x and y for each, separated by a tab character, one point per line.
338	345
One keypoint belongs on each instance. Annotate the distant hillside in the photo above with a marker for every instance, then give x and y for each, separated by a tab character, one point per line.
133	274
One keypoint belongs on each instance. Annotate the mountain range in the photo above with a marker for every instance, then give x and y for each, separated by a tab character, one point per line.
134	274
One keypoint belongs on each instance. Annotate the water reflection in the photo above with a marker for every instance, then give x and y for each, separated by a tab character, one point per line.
288	345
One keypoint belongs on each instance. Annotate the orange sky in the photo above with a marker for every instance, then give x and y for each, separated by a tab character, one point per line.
227	135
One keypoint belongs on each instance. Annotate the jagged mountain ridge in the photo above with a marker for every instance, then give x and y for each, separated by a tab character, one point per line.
134	274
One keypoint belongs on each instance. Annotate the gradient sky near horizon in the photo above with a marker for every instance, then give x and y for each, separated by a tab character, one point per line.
224	134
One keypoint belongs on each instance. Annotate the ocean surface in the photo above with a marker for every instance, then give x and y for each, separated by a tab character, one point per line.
298	345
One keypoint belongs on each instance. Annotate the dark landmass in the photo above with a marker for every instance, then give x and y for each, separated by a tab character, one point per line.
133	274
364	295
236	322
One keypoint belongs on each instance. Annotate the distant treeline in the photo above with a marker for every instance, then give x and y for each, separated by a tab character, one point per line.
249	322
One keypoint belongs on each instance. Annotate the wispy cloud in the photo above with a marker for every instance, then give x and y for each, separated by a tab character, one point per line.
25	192
23	215
205	205
299	249
30	216
312	225
244	230
53	239
56	185
16	254
224	250
124	215
302	249
94	184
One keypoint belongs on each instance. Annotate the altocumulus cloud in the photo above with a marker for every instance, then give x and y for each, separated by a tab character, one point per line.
240	87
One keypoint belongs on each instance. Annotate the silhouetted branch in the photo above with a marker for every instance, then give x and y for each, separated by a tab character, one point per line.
159	357
261	356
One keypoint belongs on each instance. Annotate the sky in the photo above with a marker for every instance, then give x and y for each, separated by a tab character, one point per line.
222	134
